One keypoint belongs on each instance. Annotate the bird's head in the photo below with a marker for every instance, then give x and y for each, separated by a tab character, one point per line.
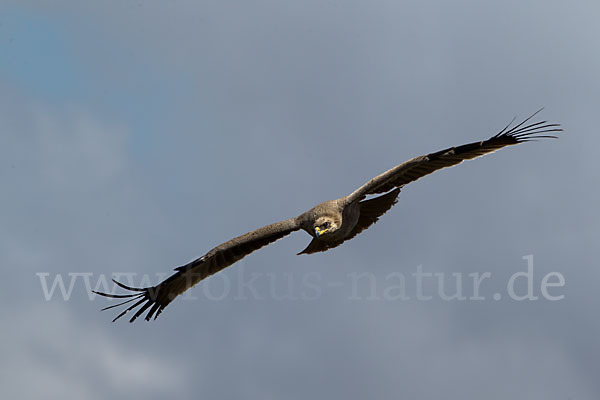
325	226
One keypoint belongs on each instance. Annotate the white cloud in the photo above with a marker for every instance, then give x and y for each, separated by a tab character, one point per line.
49	354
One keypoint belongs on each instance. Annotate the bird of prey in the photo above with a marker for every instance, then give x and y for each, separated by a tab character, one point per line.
330	223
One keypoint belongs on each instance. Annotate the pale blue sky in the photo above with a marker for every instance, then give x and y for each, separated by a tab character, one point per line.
138	135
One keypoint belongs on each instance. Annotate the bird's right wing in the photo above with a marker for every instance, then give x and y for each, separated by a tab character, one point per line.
418	167
156	298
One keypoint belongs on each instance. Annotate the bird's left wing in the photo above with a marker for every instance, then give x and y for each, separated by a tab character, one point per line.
418	167
156	298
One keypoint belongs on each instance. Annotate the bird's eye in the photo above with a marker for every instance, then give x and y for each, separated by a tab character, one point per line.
325	225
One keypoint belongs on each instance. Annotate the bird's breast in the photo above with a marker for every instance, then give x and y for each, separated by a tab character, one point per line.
350	216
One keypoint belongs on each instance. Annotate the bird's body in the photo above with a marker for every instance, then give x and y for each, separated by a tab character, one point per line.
338	212
329	223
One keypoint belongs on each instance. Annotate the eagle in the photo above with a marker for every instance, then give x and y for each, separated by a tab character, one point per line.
330	223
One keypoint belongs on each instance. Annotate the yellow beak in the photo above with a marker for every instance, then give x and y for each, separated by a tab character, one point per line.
320	231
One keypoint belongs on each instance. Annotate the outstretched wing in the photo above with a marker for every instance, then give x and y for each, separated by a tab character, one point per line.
156	298
418	167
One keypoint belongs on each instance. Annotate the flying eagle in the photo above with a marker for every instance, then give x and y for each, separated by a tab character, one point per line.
330	223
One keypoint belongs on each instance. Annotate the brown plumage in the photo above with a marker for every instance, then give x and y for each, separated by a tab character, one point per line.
329	223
